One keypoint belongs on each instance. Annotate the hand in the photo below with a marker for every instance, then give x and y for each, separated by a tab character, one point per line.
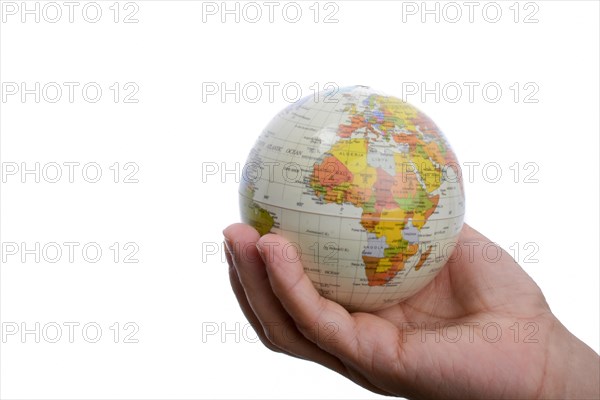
479	330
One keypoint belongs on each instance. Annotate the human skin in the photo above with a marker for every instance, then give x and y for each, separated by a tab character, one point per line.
412	349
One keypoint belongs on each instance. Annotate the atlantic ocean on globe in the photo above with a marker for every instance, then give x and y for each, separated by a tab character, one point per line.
364	186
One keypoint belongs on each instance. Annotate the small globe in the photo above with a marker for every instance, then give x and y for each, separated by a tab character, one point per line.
364	186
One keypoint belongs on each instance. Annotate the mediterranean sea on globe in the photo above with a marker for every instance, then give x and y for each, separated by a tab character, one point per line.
366	189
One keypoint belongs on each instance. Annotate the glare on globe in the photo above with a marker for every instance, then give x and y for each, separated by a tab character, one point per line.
364	186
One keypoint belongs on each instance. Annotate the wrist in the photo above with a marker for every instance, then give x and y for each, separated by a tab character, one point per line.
572	369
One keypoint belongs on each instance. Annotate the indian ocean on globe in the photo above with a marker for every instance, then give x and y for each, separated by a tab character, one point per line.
364	186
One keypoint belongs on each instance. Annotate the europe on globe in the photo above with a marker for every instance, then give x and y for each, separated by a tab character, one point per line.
364	186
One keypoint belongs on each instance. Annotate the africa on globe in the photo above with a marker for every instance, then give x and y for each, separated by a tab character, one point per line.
364	186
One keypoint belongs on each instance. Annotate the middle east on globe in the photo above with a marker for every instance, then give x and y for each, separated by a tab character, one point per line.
364	186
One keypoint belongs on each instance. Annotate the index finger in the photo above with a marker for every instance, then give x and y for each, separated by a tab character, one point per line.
352	337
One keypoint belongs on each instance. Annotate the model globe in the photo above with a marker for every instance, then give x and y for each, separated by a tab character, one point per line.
364	186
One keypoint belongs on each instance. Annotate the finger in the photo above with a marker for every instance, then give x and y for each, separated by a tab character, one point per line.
240	295
278	327
300	347
352	338
254	321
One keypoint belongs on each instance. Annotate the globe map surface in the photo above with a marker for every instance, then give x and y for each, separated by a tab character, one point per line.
364	186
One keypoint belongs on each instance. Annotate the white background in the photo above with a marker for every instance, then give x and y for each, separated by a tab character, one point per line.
178	294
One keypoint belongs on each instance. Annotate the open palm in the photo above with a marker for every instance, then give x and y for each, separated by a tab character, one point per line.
480	329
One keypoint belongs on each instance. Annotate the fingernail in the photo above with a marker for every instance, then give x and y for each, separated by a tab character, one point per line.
260	253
